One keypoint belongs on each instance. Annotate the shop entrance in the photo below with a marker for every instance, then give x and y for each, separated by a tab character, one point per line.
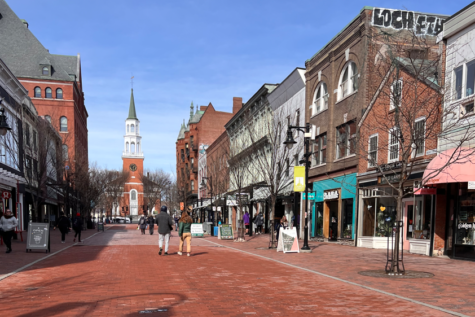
333	220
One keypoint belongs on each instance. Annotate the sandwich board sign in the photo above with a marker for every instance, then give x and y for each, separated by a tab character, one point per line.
288	241
38	237
197	230
100	226
225	232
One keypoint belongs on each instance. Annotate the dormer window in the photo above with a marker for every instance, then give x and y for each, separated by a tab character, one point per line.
45	71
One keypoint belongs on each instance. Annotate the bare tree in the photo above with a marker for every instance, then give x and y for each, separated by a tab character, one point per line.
91	184
114	191
155	184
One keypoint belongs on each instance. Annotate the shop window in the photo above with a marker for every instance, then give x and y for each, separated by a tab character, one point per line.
373	151
319	219
347	218
418	219
346	139
465	226
419	136
378	216
396	93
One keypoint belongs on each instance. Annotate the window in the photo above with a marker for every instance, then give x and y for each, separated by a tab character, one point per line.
37	92
348	80
27	134
28	166
296	160
320	100
127	147
192	185
48	118
59	93
346	139
279	134
297	118
133	195
470	79
65	152
320	150
45	71
34	140
137	128
132	128
138	147
63	124
48	93
373	151
132	147
35	169
419	136
458	73
128	128
396	93
467	109
393	144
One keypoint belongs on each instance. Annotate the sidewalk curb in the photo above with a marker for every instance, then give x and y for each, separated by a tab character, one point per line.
44	258
349	282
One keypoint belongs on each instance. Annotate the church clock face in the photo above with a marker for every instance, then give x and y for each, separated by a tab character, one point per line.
133	167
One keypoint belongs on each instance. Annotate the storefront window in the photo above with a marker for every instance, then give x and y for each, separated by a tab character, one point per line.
418	219
319	219
385	216
347	221
465	227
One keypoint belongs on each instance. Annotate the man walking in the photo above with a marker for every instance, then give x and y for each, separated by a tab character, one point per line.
77	227
151	223
165	225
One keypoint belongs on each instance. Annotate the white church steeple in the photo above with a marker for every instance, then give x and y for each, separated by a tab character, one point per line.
132	138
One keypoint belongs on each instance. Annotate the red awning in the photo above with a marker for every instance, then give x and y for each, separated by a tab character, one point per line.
451	166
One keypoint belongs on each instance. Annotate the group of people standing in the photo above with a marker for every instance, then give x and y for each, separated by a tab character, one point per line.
165	226
258	220
64	225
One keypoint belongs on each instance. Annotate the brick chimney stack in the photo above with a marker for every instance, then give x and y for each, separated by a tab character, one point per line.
237	104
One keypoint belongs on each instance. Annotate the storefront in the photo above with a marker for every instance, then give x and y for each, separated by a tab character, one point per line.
333	210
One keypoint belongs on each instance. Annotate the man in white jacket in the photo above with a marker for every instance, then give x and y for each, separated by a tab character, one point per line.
8	223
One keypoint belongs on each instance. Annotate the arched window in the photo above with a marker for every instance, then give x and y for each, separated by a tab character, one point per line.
348	80
45	71
48	118
59	93
63	124
48	93
132	147
133	194
65	152
132	128
128	128
127	148
138	147
320	100
37	92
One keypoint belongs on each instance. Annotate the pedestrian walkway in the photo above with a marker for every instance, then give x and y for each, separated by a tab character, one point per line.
119	273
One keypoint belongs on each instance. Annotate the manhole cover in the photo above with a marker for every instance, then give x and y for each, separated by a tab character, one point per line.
409	274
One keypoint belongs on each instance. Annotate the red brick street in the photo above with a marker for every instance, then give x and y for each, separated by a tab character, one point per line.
119	273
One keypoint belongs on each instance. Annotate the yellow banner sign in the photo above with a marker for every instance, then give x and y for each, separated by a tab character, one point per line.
299	178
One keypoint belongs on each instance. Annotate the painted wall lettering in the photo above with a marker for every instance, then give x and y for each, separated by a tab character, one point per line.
407	20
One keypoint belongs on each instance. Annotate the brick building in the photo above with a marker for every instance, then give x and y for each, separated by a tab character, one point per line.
203	128
340	84
54	83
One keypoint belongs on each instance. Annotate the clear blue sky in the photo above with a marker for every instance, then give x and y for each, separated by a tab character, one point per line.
182	51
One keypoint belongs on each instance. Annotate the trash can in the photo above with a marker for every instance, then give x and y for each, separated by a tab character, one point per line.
216	231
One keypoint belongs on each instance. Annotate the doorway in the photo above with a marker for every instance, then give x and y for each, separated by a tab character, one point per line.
333	220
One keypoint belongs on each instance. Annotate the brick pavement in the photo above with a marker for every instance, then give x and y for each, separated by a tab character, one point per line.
118	273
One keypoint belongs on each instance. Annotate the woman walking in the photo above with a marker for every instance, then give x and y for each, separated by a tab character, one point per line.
184	232
143	223
63	225
8	223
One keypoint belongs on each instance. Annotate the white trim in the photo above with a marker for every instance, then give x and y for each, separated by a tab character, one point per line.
36	98
44	82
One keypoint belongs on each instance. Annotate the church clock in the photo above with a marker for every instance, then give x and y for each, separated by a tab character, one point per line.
133	167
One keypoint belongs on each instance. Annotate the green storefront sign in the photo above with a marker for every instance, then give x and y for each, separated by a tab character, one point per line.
311	196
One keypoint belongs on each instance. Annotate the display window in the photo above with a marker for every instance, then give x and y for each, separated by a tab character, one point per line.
347	218
465	222
418	218
378	216
319	219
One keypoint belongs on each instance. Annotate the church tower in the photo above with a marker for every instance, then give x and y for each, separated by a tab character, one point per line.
133	158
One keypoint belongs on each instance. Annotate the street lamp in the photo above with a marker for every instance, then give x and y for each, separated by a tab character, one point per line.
4	128
289	142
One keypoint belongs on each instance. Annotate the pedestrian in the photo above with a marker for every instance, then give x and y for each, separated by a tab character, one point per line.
8	223
63	225
151	223
184	233
176	222
77	227
143	223
165	226
259	221
246	221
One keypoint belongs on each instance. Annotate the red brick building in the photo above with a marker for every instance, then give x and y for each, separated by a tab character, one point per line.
203	128
54	83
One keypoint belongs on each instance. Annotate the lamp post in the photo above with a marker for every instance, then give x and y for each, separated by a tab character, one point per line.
203	184
4	127
289	142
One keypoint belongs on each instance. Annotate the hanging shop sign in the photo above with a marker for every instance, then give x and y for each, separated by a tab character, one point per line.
6	195
311	196
333	194
299	178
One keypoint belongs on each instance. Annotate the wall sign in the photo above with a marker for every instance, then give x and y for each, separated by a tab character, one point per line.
330	195
421	24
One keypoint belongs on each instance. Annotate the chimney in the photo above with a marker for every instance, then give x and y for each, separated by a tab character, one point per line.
25	23
237	104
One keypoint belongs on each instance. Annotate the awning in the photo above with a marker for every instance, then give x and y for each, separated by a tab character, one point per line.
261	193
451	166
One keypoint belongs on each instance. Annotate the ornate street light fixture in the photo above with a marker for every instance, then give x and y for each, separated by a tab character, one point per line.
4	128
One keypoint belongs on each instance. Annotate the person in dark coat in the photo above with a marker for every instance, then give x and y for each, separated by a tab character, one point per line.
63	225
77	227
151	223
165	226
143	223
259	221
